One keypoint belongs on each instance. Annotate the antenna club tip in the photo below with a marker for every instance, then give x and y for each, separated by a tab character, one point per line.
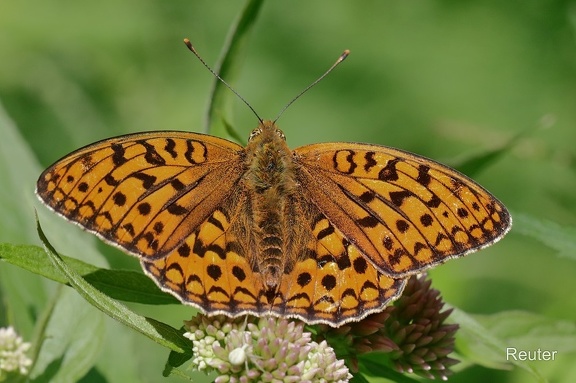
189	44
345	54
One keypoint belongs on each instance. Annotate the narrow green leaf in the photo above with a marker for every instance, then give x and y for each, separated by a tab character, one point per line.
232	132
17	169
229	65
175	360
553	235
528	331
359	378
159	332
374	368
169	371
474	165
74	337
479	344
40	328
33	258
124	285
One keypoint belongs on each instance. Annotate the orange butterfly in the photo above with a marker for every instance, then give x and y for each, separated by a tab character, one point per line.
327	233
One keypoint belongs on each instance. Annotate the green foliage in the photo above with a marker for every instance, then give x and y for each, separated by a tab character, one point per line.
124	285
228	67
444	79
558	237
157	331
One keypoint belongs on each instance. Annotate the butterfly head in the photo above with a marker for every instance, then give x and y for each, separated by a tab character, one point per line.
266	131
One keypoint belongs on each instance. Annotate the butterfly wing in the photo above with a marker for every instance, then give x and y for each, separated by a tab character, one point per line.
329	282
146	192
404	212
210	269
332	282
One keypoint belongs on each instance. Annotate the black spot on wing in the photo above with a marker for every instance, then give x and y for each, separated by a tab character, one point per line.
152	156
110	180
423	176
389	172
169	147
119	198
214	271
434	201
426	219
368	221
144	208
83	187
189	154
397	197
303	279
402	225
349	159
360	265
329	282
325	232
129	228
118	156
176	209
177	184
238	273
184	250
147	179
367	197
370	161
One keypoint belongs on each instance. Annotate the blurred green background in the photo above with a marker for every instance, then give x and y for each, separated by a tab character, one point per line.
446	79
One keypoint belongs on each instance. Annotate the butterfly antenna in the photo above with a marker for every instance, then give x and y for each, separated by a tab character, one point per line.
340	59
193	50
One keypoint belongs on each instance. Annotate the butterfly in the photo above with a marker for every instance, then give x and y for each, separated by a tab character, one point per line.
326	233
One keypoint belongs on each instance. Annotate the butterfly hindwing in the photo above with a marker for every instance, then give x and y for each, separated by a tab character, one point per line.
334	282
331	281
210	269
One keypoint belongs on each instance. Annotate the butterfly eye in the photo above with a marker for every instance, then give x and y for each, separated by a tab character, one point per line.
254	133
280	134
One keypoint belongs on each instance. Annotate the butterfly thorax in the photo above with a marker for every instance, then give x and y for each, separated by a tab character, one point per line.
270	185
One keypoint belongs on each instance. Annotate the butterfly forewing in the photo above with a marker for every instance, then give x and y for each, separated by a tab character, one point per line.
145	192
404	212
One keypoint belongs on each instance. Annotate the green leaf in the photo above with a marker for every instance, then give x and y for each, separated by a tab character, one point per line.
374	368
528	331
228	66
553	235
16	193
40	329
232	132
174	361
118	362
159	332
128	286
474	165
72	341
479	344
359	378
